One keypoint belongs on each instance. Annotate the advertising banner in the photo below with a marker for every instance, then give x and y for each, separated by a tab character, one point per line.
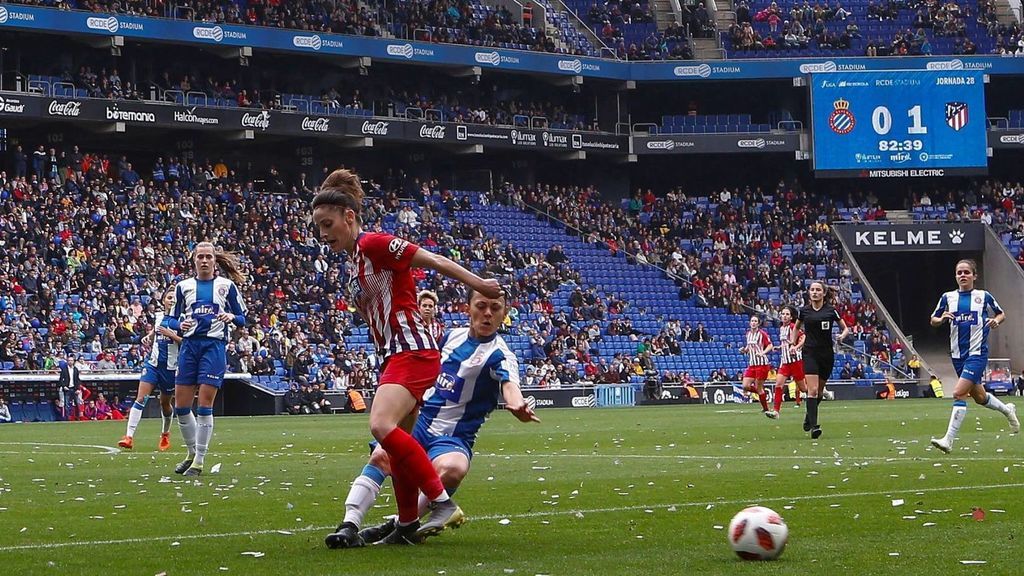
917	237
80	23
140	114
715	143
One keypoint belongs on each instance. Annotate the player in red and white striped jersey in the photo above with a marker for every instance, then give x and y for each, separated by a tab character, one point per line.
791	343
758	346
428	311
381	285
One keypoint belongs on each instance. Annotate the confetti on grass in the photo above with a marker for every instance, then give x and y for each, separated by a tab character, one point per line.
254	554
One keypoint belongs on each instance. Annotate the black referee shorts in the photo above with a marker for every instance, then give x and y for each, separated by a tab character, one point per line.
819	362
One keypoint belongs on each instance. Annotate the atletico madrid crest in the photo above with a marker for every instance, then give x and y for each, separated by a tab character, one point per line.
956	115
841	121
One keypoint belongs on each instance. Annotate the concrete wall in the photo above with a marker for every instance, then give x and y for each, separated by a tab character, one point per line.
1004	278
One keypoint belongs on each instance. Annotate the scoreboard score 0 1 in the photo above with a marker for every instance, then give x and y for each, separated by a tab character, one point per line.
899	123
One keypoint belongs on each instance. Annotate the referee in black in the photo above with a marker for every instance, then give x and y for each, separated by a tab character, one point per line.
817	320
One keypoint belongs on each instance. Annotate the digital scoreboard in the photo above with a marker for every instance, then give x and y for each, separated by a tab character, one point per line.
899	124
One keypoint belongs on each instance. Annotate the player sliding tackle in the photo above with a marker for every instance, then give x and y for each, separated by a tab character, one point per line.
380	283
476	366
971	315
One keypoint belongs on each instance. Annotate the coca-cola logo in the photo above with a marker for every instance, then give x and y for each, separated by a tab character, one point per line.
70	108
378	128
435	132
316	124
261	120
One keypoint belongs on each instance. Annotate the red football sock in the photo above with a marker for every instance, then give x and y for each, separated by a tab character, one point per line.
764	401
778	398
409	457
406	495
796	396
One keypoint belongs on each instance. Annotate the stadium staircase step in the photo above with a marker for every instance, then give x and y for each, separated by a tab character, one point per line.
663	13
707	49
725	14
1005	13
901	216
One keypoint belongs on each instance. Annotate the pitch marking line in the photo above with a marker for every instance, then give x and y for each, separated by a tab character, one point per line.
823	458
106	449
543	514
110	450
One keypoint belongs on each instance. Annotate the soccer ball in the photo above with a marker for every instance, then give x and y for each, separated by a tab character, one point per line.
758	533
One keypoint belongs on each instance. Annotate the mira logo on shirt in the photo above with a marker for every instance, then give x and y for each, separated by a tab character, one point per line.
445	382
204	309
966	317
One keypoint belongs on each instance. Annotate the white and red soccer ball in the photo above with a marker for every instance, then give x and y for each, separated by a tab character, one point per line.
758	533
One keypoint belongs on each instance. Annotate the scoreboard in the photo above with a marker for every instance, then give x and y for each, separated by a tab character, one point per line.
897	124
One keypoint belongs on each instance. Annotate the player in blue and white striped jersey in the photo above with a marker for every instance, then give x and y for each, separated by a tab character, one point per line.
971	315
157	372
205	305
477	370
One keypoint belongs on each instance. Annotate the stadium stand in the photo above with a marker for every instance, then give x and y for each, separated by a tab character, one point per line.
771	29
83	267
462	22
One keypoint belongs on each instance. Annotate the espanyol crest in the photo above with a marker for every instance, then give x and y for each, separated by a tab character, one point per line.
842	120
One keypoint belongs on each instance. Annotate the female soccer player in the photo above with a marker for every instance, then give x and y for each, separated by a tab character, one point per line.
205	306
817	320
791	363
382	288
427	301
157	372
971	314
758	346
450	420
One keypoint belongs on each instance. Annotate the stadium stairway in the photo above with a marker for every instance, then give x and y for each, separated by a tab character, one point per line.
653	297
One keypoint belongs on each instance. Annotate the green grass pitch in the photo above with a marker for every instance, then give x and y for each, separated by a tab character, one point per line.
588	491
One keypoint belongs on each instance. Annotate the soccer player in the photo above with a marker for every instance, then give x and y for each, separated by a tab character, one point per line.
817	319
206	305
758	346
381	286
477	368
791	362
427	301
157	372
971	314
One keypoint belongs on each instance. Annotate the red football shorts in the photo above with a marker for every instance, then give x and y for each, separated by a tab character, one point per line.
794	370
415	370
758	373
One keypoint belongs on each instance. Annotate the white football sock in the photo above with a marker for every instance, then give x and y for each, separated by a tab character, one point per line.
956	419
996	404
187	425
134	416
204	431
361	497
